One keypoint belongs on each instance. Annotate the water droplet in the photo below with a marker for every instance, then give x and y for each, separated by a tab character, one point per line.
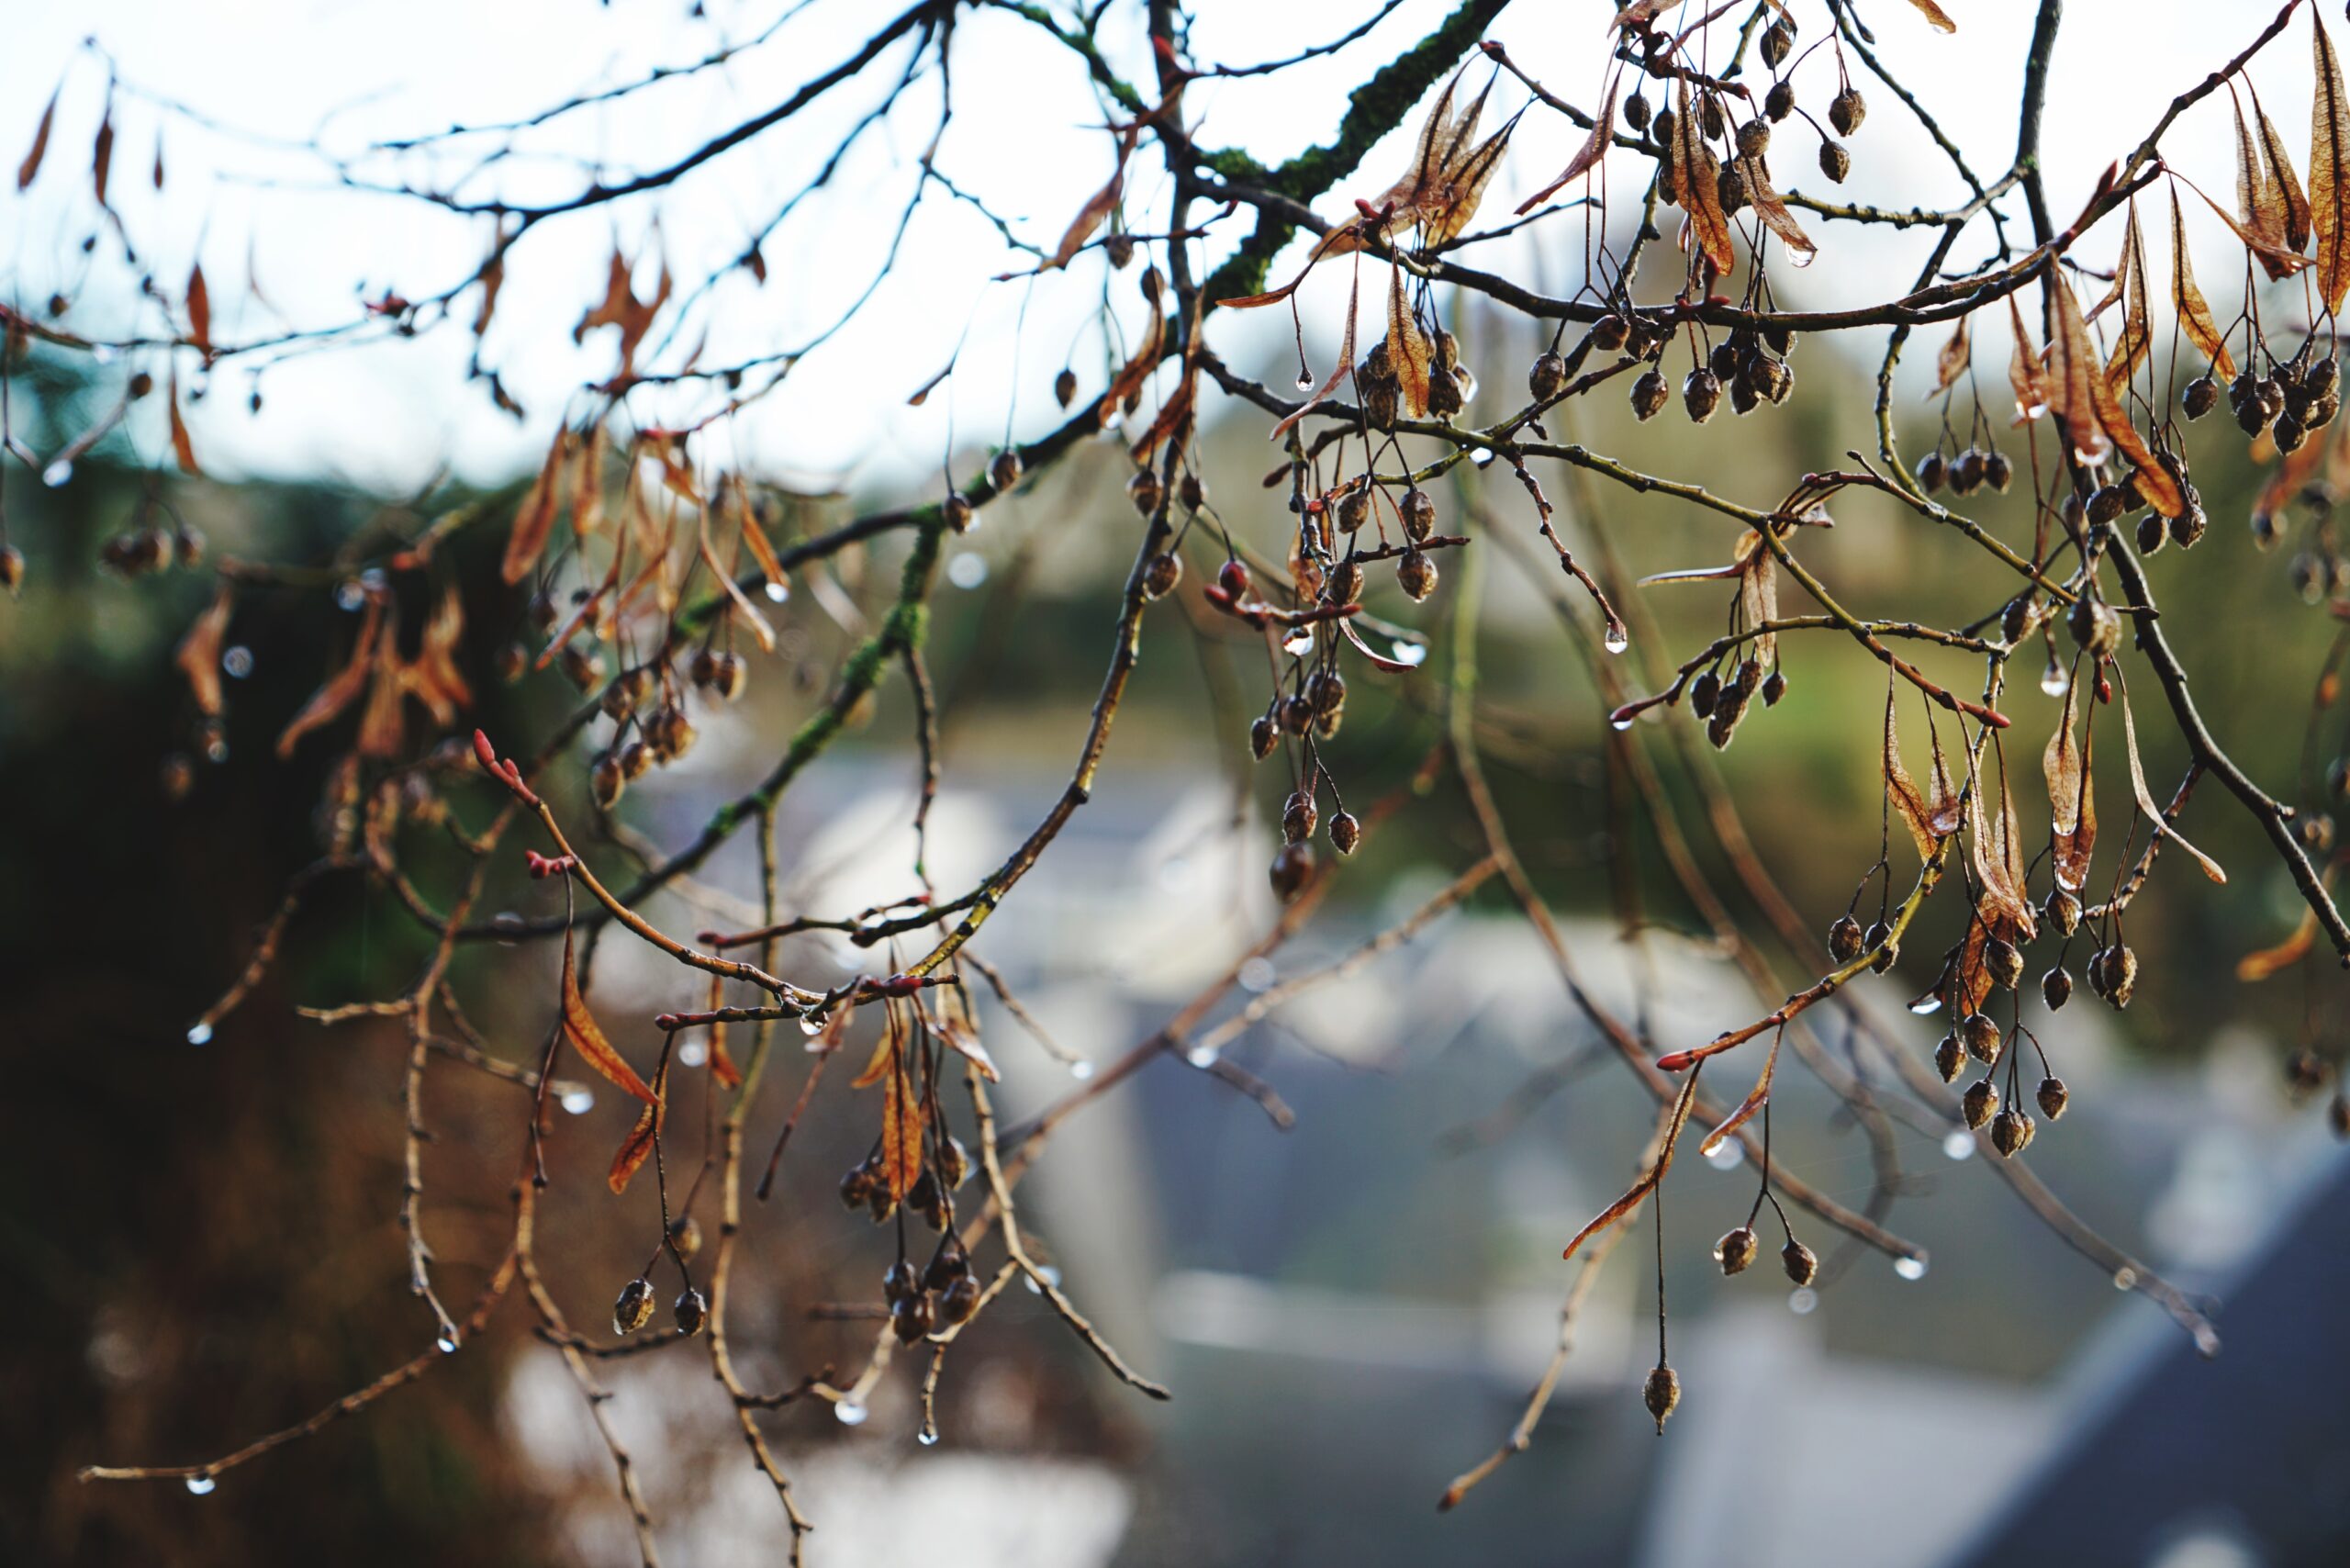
1930	1003
849	1412
1617	639
578	1099
373	580
1052	1275
811	1023
1959	1144
1257	975
1483	457
2125	1279
1621	725
1081	1071
201	1485
238	661
693	1053
1299	641
2207	1340
106	353
447	1343
1726	1155
199	1035
508	926
1912	1267
1202	1057
57	473
779	592
1412	655
348	596
927	1437
1304	379
1802	1300
2054	680
968	570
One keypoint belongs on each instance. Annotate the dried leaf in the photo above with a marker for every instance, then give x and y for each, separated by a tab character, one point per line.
1695	177
182	449
31	165
1952	363
2072	803
903	1117
1338	372
2072	374
534	519
963	1039
2259	966
380	726
1773	210
341	688
622	309
199	310
2284	186
101	153
2146	798
2135	345
199	652
579	1027
1095	211
587	486
1594	147
638	1145
433	678
1902	791
1759	1096
754	537
1649	1177
1407	346
2195	312
2026	374
742	601
2329	164
1935	16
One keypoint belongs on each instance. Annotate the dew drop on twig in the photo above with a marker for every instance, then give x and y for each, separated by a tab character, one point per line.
1912	1267
1726	1155
201	1485
849	1412
199	1035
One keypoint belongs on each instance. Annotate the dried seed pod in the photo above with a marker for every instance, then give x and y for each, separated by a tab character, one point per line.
673	735
880	1203
1636	112
2121	966
1233	578
2251	417
580	666
961	515
2056	987
1065	387
949	1264
2054	1097
2288	434
1980	1100
1704	692
1701	394
1418	511
1649	394
1800	1261
1291	865
1192	491
1608	334
1778	42
1931	472
1950	1059
900	1281
856	1187
2004	962
1354	508
1145	492
1737	1250
1297	713
1878	939
1844	939
634	1310
1345	832
1661	1394
704	670
2062	910
2322	409
1004	472
1416	574
733	673
1771	377
690	1312
2107	502
959	1300
1263	734
1774	689
1730	189
1981	1034
2271	393
1846	110
1549	373
542	611
1298	816
1997	471
905	1319
2202	394
954	1163
1345	585
1726	357
1754	139
1966	474
684	1235
636	760
1780	101
1744	396
1161	575
2094	626
1661	130
2153	531
2011	1130
1834	162
606	780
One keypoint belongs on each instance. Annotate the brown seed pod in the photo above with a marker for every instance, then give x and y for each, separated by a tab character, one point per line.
633	1309
1730	189
734	673
606	780
1834	162
2054	1097
1774	689
1549	373
690	1312
1754	139
1846	110
905	1319
2011	1129
1737	1250
2062	909
856	1187
949	1264
684	1235
1160	578
900	1280
1346	833
2120	974
2095	628
1661	1394
1997	471
1780	101
1145	492
1649	394
2056	987
1966	474
1778	42
1701	394
1636	112
1065	387
1982	1036
1292	867
1801	1263
1346	585
1878	939
1192	491
1980	1100
2004	962
1844	939
1416	574
1931	472
961	515
1950	1059
1704	690
1004	472
1418	511
959	1300
1298	816
636	760
1297	713
1233	578
2288	434
1661	130
1608	334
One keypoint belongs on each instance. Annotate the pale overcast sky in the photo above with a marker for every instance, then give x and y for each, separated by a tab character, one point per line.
390	415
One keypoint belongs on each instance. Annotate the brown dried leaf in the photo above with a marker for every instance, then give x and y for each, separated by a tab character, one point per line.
963	1038
579	1027
1407	346
1908	801
2146	798
2194	311
199	310
182	449
1935	16
2026	375
1095	211
2072	803
2135	345
534	519
2274	259
742	605
102	154
2073	373
1695	177
341	688
904	1117
1594	147
1952	363
638	1145
1648	1179
2254	967
1773	210
435	678
199	652
2284	186
588	486
31	165
2329	165
754	537
381	728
